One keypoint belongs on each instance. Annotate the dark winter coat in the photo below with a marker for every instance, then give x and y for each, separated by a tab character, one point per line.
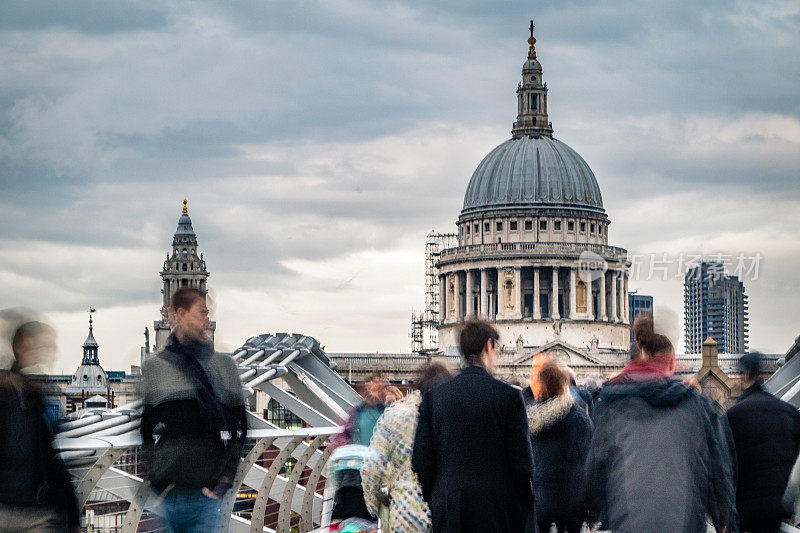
660	459
560	436
472	455
31	474
194	421
766	434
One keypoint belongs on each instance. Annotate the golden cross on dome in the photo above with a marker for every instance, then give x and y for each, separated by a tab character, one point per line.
532	42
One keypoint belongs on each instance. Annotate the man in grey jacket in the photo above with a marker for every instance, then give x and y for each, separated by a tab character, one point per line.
661	459
194	419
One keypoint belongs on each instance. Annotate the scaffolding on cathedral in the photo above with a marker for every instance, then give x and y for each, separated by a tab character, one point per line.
424	337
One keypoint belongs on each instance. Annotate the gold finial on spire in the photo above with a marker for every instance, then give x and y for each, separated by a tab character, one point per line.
185	209
532	43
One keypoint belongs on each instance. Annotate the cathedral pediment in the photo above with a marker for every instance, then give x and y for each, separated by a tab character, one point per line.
560	351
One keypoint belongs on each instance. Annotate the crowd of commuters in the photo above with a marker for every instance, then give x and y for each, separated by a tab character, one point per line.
464	452
643	452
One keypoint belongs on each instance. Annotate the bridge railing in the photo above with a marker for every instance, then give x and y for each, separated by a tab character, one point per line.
284	469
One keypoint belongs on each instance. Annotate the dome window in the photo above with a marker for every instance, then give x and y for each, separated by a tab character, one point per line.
570	226
185	251
467	228
542	225
476	229
592	228
499	226
85	377
528	225
513	225
583	227
99	378
557	225
486	228
185	267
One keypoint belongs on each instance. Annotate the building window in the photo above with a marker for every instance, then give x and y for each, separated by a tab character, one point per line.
592	230
499	226
486	227
185	251
533	102
570	226
528	225
542	225
557	225
185	267
467	227
513	225
583	227
476	229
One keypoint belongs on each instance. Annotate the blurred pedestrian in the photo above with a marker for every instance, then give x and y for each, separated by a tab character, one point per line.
661	459
194	420
36	493
560	436
393	394
766	434
471	449
348	500
389	468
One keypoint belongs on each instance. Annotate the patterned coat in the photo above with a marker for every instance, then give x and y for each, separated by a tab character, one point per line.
390	467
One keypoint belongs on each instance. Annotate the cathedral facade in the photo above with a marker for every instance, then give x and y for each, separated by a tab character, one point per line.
533	255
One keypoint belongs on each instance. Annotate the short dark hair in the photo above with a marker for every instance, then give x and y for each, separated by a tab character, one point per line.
185	297
29	330
750	364
473	337
432	375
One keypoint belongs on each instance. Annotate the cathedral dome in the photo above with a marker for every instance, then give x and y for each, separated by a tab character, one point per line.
532	171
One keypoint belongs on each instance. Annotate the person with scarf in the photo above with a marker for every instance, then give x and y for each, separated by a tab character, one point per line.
560	436
194	420
661	459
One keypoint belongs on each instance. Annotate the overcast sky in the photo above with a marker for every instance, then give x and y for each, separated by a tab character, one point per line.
318	143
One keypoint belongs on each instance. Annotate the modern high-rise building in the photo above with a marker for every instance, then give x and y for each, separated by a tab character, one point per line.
715	306
639	304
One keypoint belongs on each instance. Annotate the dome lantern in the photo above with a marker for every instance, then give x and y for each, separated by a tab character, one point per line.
532	97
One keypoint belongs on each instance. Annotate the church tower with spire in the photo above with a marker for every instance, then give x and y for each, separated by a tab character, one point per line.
184	267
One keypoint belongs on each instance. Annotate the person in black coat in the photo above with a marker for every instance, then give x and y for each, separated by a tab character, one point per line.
471	448
766	435
561	433
36	492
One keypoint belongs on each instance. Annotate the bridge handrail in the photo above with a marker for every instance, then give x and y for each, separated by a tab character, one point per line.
127	441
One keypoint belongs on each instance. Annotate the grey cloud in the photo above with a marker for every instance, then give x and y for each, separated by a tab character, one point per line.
89	16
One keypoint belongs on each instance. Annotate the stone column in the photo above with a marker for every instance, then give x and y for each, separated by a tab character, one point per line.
470	309
459	303
572	297
589	300
442	299
518	291
537	310
554	299
622	297
601	300
626	312
614	296
484	303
